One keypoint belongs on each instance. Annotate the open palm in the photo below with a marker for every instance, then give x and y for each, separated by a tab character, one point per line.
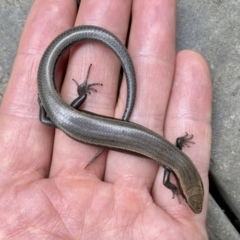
45	192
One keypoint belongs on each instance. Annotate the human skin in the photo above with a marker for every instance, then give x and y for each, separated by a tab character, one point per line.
45	192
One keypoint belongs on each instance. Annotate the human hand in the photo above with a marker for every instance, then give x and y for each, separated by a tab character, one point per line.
45	191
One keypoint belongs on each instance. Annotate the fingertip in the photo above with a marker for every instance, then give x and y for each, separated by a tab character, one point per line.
192	87
191	62
45	21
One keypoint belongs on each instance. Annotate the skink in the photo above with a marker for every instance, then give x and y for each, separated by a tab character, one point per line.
109	132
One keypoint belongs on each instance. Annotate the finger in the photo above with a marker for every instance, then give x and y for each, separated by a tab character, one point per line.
152	47
189	111
70	157
26	144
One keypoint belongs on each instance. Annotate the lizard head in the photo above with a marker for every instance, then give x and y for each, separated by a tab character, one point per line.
194	198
